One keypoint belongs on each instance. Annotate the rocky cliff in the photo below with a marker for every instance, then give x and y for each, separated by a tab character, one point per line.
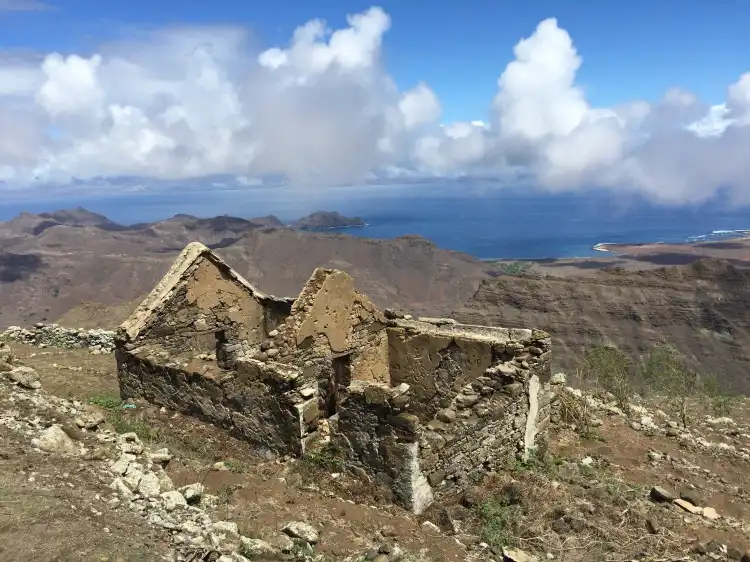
702	308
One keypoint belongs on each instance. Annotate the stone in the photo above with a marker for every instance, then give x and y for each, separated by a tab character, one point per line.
662	494
691	496
130	443
436	478
301	530
55	440
447	415
165	482
472	497
228	528
25	377
430	527
467	401
161	456
558	378
687	506
121	464
256	548
132	477
192	492
710	513
119	486
148	486
653	526
560	526
745	557
173	500
281	542
90	421
515	555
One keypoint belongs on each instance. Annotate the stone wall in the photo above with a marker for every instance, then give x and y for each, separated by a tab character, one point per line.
376	433
97	340
478	392
331	319
207	311
257	402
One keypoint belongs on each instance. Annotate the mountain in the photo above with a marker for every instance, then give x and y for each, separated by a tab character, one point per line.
91	273
47	274
703	309
323	220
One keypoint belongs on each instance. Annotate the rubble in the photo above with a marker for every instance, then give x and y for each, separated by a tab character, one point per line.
53	335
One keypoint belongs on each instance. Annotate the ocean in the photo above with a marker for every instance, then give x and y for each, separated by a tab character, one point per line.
487	222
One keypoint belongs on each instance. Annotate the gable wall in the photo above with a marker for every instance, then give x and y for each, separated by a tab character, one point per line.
205	302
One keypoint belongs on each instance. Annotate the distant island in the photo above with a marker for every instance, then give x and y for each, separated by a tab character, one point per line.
35	224
326	220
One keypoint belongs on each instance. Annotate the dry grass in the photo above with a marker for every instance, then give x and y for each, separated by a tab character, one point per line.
49	520
574	512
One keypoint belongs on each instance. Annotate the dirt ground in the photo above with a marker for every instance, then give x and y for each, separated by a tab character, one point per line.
261	494
556	505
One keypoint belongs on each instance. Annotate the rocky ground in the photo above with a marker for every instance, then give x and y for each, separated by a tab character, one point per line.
84	476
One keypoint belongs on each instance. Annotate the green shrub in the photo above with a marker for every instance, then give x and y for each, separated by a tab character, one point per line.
499	518
607	368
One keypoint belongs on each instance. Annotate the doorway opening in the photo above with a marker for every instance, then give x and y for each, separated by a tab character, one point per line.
338	383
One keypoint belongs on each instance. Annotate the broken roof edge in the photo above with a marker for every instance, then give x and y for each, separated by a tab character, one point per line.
451	328
138	320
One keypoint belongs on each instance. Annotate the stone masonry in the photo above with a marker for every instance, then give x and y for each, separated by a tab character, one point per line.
422	406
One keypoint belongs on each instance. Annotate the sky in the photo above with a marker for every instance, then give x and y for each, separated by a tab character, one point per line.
644	97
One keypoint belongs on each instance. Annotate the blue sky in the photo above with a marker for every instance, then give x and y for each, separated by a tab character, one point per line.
631	50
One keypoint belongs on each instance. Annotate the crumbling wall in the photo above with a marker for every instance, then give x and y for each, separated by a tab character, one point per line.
337	337
208	312
377	434
330	318
479	394
435	364
257	402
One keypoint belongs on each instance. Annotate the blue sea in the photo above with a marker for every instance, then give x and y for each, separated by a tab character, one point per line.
485	221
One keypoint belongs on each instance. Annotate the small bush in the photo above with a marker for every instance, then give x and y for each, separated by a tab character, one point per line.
514	267
607	368
499	519
106	401
327	458
665	372
235	466
125	423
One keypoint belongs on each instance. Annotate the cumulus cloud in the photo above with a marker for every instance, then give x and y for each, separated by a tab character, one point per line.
186	102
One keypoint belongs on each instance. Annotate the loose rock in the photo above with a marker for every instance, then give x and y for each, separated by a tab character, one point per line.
301	530
55	440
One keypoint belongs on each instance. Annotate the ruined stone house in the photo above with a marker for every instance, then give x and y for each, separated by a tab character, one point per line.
423	406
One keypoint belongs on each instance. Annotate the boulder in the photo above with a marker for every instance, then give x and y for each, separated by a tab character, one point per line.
172	500
301	530
25	377
55	440
662	494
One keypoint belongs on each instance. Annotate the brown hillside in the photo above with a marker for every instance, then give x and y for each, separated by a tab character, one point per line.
702	308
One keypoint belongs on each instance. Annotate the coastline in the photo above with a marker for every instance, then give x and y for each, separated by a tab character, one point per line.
706	240
732	249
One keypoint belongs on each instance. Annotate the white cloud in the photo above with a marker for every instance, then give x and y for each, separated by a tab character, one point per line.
195	101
